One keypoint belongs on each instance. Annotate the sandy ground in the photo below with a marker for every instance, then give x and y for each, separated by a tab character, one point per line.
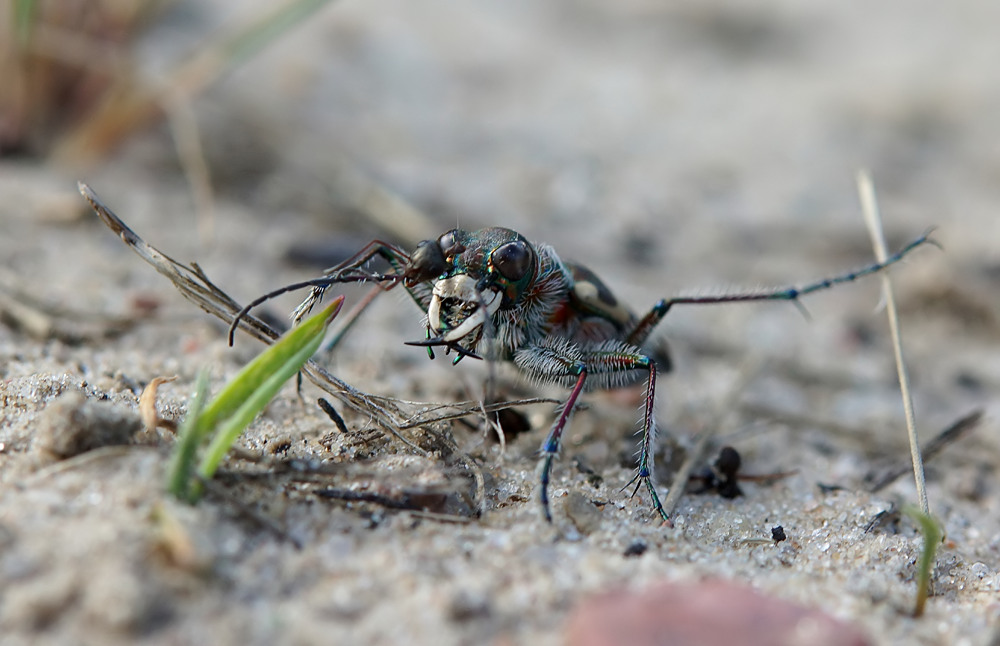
671	147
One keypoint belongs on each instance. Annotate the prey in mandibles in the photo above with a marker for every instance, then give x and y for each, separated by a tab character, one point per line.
492	294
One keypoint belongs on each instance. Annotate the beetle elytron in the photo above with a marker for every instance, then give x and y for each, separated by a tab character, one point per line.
490	293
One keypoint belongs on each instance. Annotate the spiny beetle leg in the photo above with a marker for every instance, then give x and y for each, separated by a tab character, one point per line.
641	331
644	472
606	363
550	448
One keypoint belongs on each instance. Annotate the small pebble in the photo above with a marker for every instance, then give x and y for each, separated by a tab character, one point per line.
636	548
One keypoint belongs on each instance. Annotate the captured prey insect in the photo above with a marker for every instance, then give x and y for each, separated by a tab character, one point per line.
491	293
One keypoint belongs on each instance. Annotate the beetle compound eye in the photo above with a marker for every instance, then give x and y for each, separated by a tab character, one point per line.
449	244
512	260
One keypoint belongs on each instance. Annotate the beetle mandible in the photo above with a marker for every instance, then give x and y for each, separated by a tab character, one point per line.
491	293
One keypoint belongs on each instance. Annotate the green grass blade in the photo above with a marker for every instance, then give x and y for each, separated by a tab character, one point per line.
250	391
931	531
268	29
182	461
24	20
263	366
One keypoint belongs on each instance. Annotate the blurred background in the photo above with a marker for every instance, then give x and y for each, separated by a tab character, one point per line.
670	146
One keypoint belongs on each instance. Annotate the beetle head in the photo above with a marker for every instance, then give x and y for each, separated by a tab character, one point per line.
475	274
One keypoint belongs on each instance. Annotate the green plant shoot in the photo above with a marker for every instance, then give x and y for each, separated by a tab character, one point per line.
931	531
220	422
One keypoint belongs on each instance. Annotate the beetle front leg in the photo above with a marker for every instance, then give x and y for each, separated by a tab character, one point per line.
350	271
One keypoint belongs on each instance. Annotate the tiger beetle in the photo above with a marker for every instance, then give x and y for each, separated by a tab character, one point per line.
491	293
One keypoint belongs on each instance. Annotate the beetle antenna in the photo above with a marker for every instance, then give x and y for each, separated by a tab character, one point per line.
315	282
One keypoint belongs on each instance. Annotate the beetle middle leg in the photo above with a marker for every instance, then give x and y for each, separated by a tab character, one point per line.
595	365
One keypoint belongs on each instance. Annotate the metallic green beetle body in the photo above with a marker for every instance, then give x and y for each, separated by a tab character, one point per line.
491	293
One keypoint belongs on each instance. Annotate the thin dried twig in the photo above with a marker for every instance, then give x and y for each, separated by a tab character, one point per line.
869	205
955	431
494	425
393	417
439	517
465	408
194	285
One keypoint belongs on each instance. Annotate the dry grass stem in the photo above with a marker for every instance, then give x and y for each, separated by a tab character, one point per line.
954	432
869	205
395	418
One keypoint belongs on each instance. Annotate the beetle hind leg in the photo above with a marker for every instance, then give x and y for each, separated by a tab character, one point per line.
644	472
604	364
